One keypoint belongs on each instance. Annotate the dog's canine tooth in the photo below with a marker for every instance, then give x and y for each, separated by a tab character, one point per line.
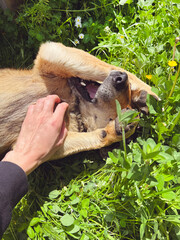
83	84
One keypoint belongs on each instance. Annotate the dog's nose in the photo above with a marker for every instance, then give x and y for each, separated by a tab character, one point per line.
119	79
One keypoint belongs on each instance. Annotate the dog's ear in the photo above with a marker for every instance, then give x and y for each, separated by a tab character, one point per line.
138	100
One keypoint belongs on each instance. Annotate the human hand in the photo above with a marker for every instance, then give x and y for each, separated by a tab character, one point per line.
42	132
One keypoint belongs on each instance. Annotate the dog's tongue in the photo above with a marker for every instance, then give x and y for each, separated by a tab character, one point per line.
92	89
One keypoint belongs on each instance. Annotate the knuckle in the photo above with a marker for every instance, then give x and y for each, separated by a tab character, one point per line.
39	101
52	97
54	123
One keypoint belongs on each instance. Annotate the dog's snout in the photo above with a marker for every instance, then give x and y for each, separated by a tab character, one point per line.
112	86
119	80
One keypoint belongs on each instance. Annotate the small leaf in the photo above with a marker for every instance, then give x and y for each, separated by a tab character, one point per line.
36	220
73	229
69	192
168	177
152	155
169	195
129	116
85	203
122	223
30	232
160	179
173	218
67	220
138	192
83	212
54	194
109	217
55	208
122	2
84	237
75	201
151	143
144	3
109	161
176	141
142	230
113	158
39	37
118	109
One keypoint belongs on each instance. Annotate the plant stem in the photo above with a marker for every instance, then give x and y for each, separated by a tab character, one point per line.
174	84
82	10
124	142
175	121
177	75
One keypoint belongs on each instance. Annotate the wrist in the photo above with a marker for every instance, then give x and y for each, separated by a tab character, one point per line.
26	162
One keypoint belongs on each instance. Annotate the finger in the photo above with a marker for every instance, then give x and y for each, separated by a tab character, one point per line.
29	113
38	107
62	135
60	112
50	102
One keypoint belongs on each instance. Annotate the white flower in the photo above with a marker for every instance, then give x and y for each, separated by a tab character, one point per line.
78	19
81	36
78	22
78	25
76	41
107	29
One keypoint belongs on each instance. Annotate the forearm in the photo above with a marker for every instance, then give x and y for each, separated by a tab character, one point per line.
13	186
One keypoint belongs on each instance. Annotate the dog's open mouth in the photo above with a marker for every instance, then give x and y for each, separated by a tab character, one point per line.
87	89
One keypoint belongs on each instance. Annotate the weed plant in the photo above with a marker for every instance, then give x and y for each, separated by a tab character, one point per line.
135	192
44	20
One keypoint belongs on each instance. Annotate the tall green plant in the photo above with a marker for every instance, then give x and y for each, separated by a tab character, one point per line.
136	194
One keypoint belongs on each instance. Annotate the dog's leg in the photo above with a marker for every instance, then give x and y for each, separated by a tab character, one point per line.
77	142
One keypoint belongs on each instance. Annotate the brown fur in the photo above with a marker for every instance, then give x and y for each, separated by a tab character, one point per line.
91	126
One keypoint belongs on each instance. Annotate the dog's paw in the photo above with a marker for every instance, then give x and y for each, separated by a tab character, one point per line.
113	132
128	128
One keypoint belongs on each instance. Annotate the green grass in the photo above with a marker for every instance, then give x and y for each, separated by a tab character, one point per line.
135	192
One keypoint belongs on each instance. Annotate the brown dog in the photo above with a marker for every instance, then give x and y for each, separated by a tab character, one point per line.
87	84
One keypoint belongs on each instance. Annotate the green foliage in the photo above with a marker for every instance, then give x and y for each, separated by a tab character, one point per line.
135	192
43	20
144	38
140	199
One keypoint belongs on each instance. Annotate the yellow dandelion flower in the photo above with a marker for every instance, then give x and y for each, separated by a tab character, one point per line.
149	77
172	63
121	36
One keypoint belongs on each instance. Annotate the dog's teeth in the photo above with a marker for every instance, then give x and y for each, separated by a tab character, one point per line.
83	84
94	100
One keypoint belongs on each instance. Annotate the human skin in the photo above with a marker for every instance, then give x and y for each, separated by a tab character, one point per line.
42	132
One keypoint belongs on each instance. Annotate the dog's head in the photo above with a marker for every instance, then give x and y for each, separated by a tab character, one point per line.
97	101
94	84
